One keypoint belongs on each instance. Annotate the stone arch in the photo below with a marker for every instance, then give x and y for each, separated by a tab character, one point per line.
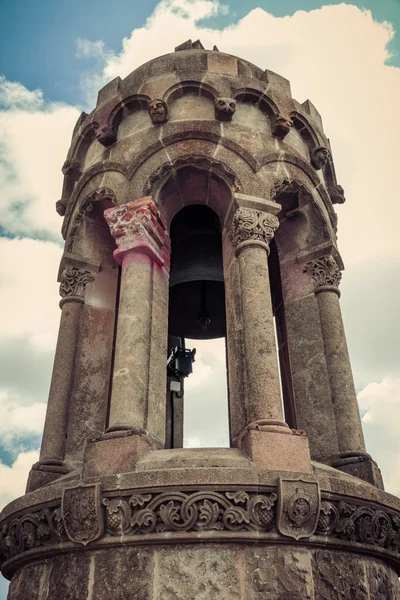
92	204
190	99
303	222
189	86
261	100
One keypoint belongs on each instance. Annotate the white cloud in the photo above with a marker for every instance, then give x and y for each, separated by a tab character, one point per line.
16	476
380	404
87	49
15	95
19	422
34	140
29	291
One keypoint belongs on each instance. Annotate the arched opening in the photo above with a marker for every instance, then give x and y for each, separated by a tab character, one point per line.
196	312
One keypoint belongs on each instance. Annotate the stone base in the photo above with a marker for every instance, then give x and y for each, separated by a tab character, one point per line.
44	473
361	466
276	448
115	452
199	524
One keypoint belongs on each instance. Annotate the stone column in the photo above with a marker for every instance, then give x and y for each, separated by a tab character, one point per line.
264	435
326	275
139	376
72	289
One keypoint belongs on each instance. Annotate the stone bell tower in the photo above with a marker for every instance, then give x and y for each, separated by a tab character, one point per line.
198	202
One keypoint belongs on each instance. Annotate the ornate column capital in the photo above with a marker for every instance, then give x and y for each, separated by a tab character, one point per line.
325	273
73	284
252	227
138	226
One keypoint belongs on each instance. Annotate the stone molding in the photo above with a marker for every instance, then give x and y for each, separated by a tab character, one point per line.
325	273
138	226
73	284
241	514
252	227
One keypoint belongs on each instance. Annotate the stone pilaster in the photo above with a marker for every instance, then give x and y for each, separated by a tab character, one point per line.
262	426
74	281
139	375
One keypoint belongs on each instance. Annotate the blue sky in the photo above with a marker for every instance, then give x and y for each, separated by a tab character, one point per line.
55	55
38	39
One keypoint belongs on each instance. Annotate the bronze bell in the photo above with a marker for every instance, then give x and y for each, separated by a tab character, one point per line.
197	294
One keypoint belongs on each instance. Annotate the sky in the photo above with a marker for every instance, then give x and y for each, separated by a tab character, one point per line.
54	56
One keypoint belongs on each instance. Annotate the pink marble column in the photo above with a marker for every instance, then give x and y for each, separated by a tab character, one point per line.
139	375
72	289
326	275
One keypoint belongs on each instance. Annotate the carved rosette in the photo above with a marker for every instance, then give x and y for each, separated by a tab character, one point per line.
138	226
252	227
299	507
73	284
325	273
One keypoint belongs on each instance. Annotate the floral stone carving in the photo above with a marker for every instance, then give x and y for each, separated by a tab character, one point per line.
324	271
73	283
86	516
139	225
224	108
199	511
252	225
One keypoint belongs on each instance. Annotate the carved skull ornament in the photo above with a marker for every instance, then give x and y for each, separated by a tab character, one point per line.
224	108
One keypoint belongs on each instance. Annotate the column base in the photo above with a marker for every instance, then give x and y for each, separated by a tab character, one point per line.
359	465
117	451
275	446
44	472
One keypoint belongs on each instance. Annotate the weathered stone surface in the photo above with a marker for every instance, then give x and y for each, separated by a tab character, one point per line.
199	572
70	576
339	576
122	574
278	574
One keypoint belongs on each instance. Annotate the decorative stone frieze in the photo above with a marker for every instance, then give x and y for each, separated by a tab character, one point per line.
324	271
281	126
139	226
73	284
84	515
319	157
224	108
190	512
158	111
251	226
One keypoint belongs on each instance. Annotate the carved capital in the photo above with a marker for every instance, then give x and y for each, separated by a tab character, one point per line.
73	284
138	226
325	273
252	227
